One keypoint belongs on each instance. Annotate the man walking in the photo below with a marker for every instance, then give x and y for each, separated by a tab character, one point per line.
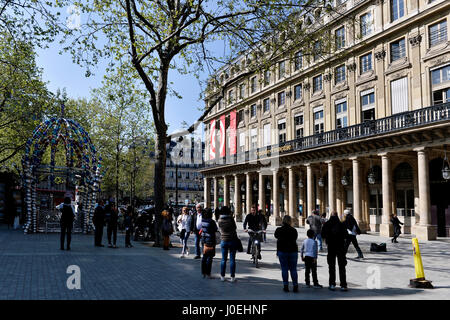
99	222
196	227
353	230
335	234
315	223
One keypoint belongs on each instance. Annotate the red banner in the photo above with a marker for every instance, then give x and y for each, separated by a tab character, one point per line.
233	147
212	140
222	136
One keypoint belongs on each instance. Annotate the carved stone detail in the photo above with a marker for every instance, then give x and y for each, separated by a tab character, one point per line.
351	67
414	41
380	54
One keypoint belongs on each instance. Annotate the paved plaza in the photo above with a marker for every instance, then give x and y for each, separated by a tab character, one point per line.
33	267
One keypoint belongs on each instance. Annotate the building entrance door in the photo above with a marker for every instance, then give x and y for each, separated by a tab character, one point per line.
439	198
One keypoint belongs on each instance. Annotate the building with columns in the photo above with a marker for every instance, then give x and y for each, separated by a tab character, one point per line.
366	129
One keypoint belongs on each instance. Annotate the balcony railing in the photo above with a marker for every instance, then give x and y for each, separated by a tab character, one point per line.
394	123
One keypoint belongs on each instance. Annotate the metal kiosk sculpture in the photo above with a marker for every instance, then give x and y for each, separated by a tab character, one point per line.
46	186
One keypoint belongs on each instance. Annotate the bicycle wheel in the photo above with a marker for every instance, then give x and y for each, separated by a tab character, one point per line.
256	256
253	254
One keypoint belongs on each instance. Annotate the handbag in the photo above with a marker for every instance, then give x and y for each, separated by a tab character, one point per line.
209	250
182	233
239	246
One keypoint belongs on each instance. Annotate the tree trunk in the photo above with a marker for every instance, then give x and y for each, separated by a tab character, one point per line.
159	182
117	177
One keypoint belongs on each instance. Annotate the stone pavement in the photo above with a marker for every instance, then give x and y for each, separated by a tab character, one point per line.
33	267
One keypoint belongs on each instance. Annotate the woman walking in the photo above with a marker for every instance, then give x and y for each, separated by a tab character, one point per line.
397	227
184	220
228	242
287	252
208	233
167	228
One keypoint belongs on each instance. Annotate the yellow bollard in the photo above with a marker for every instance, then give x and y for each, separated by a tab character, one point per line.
419	281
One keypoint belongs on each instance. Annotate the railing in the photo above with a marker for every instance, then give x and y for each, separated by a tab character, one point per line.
376	211
394	123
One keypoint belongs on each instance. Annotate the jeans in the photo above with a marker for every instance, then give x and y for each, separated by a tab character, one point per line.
311	266
288	262
197	244
352	239
318	236
207	264
66	228
338	253
228	246
112	230
128	236
184	241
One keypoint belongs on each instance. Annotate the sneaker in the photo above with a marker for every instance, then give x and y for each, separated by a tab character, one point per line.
332	288
317	286
233	279
222	278
187	252
344	289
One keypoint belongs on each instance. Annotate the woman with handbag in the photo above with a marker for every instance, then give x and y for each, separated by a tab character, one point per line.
184	221
208	234
229	242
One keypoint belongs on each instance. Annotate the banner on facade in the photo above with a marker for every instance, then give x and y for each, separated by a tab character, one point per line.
222	136
212	140
233	147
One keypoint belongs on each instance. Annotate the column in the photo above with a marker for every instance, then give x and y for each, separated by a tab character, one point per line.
237	199
261	191
275	218
331	187
207	192
339	192
309	192
424	230
386	228
286	194
292	209
248	190
226	191
357	190
301	221
216	192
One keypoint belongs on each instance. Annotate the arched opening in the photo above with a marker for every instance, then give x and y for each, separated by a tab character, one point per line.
404	194
439	198
373	179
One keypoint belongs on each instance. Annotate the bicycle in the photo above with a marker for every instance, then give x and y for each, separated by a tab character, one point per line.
256	237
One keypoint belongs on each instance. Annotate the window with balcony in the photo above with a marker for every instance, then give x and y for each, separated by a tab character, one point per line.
266	77
298	61
253	138
298	92
438	33
253	110
266	134
317	83
242	142
399	95
397	9
365	63
266	105
440	82
282	131
281	98
339	74
368	105
241	91
366	24
341	114
318	120
298	124
398	50
340	38
253	84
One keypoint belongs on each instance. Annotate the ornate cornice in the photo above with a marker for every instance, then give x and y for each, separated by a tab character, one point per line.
414	41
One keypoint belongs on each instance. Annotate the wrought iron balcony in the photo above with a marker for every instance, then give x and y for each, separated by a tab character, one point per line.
397	122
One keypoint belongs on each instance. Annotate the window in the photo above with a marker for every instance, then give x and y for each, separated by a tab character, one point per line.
368	105
230	97
318	120
253	138
298	123
266	77
440	81
397	9
341	114
281	69
187	175
253	84
241	91
317	83
240	116
440	75
281	98
298	92
399	95
398	50
242	142
266	105
366	24
317	50
340	38
171	174
266	135
441	96
253	110
282	131
366	62
298	62
339	74
438	33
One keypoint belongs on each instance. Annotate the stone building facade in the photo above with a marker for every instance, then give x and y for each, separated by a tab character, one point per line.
366	129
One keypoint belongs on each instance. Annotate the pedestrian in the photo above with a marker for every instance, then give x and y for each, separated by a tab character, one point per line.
353	230
111	220
309	257
208	234
263	216
185	226
99	223
323	218
128	225
197	226
67	217
217	213
335	234
228	243
167	228
255	222
315	224
397	228
287	252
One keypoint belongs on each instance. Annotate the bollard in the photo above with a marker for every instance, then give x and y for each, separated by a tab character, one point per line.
419	281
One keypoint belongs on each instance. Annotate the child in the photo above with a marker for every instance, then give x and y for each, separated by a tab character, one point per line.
309	256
